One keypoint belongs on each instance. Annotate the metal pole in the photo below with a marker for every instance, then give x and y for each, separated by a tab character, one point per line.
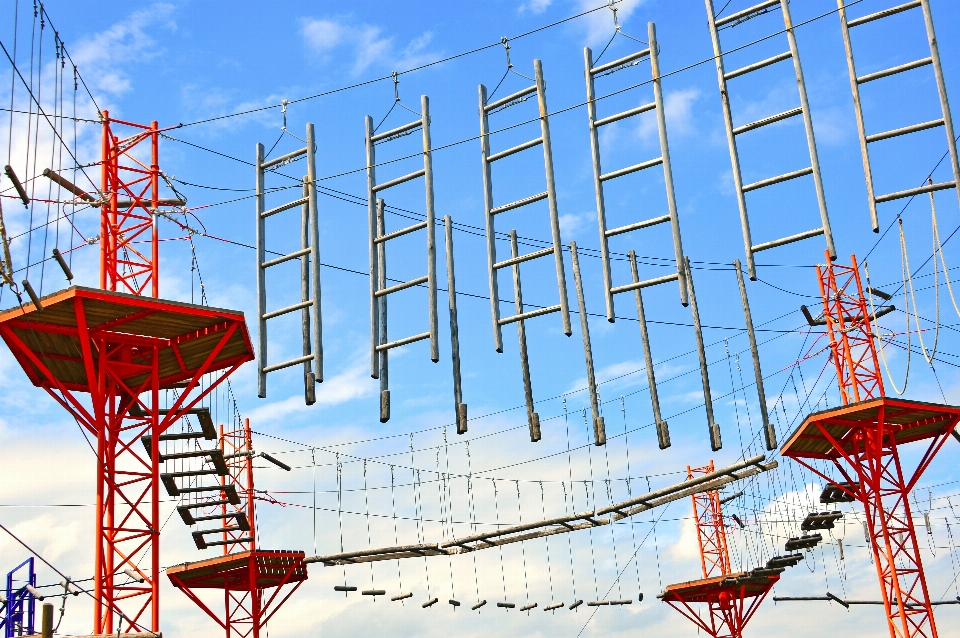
315	255
858	110
261	279
665	154
431	229
768	430
598	185
533	419
599	430
731	141
372	225
552	195
309	382
808	126
714	429
663	431
942	92
382	303
154	206
459	406
488	218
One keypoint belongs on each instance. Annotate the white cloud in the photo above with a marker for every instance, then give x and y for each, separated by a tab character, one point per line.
678	110
571	223
536	7
599	24
99	57
370	46
352	383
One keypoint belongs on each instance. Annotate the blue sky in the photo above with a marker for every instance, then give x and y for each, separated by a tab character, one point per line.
187	62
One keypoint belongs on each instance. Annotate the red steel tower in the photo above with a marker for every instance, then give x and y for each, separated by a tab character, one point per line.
731	598
862	441
109	355
243	572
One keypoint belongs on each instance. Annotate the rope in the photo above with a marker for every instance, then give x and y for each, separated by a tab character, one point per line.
626	447
473	524
366	511
904	267
572	508
543	514
523	550
396	536
496	507
340	515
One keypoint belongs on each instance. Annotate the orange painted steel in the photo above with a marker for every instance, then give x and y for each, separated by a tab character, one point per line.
130	200
121	350
862	440
731	598
243	572
105	355
849	329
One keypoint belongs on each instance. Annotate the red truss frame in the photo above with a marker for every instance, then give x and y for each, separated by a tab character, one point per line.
851	335
245	578
725	594
121	350
243	572
131	221
863	440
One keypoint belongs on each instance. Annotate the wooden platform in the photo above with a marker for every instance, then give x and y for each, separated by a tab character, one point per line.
907	421
232	571
187	334
708	590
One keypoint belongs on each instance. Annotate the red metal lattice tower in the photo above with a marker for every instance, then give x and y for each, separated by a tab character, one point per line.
851	335
243	572
131	199
731	598
711	533
862	439
107	356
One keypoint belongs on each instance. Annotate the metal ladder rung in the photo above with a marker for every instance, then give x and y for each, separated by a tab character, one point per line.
283	311
645	284
397	131
400	180
787	240
910	192
287	364
399	233
403	342
519	203
916	64
238	516
637	226
624	115
627	58
733	17
631	169
757	65
229	490
403	286
776	180
515	149
280	260
883	14
280	209
245	539
529	315
284	158
510	98
768	120
522	258
199	505
876	137
191	455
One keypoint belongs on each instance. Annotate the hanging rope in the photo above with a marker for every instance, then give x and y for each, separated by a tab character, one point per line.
473	520
496	507
878	336
396	536
543	514
626	447
340	513
523	550
572	508
366	512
